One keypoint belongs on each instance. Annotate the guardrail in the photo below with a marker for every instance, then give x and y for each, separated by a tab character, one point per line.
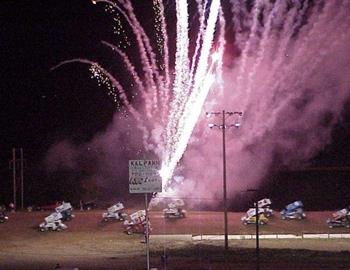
201	237
273	236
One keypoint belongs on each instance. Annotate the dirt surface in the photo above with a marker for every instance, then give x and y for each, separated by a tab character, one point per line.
89	243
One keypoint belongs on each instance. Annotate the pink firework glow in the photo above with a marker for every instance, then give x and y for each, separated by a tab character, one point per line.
284	64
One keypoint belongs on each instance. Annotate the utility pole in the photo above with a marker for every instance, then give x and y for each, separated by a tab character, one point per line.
14	168
224	176
22	188
257	248
14	177
147	232
223	127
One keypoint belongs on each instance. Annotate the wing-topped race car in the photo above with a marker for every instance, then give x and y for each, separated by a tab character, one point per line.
137	223
66	211
53	222
293	211
175	210
250	217
115	212
340	218
265	204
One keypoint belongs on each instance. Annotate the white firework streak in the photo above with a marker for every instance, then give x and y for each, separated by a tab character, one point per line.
163	27
193	107
220	51
180	87
201	12
187	96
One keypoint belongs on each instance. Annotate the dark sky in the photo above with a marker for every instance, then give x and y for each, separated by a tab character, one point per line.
39	107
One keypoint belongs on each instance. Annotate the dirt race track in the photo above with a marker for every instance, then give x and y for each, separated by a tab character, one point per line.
89	243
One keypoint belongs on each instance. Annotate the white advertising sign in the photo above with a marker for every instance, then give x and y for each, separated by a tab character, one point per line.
144	176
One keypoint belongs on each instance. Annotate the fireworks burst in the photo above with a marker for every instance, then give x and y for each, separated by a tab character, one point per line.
178	101
281	49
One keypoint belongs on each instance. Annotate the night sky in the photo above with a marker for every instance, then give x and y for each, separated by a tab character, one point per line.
39	107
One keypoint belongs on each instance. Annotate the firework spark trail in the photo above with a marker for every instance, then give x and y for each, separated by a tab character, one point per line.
147	57
333	23
180	85
236	11
201	71
193	108
296	77
310	40
160	27
141	41
163	26
291	23
200	8
220	50
156	80
294	22
99	72
263	45
241	21
130	67
249	44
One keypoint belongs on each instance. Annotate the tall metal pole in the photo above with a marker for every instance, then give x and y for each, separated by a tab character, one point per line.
224	175
22	191
257	235
223	127
14	176
147	233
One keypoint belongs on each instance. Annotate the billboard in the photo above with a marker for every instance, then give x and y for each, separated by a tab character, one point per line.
144	176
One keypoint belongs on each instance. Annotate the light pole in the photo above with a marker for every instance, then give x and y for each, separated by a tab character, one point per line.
223	127
257	249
